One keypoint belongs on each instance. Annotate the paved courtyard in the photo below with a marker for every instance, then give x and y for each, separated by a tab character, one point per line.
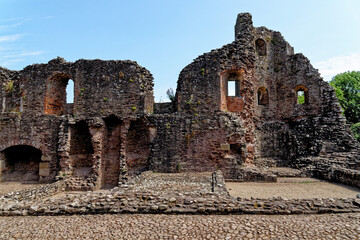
326	226
292	188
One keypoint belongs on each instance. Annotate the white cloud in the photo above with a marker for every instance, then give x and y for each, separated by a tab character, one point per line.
13	25
335	65
22	54
10	62
10	38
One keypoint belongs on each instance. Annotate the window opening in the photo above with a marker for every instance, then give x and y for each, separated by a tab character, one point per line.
70	91
300	97
233	88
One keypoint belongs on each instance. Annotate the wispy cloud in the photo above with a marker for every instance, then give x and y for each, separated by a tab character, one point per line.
22	54
10	38
16	23
335	65
11	41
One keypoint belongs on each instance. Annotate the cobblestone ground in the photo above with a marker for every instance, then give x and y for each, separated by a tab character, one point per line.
339	226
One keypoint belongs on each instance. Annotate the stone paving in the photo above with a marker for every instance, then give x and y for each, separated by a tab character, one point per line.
327	226
292	188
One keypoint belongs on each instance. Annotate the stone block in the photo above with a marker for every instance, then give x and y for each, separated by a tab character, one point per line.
45	158
225	147
44	169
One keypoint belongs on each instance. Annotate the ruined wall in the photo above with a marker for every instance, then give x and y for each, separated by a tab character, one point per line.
285	128
276	129
34	108
203	84
198	143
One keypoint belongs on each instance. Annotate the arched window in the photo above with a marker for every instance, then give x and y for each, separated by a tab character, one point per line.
56	93
262	96
301	94
260	47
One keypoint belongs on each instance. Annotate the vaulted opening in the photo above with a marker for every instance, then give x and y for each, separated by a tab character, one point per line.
81	150
21	163
137	147
262	96
260	47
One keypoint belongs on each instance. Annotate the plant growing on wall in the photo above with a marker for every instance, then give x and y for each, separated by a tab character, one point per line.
9	86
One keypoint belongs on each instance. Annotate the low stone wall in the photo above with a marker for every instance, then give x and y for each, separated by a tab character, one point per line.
146	203
33	194
154	193
341	175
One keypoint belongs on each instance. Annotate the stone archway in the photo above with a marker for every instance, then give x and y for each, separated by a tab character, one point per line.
20	163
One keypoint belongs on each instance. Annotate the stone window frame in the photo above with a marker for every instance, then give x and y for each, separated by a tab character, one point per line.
262	92
304	89
260	46
233	76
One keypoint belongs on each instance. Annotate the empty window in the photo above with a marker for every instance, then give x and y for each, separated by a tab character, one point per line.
70	91
262	96
302	96
233	88
260	47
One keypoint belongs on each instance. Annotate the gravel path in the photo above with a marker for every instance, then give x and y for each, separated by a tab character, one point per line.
339	226
292	188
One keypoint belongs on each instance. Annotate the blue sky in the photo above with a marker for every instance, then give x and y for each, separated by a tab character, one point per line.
164	35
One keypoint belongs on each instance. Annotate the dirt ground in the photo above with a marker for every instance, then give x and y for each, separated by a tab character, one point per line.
292	188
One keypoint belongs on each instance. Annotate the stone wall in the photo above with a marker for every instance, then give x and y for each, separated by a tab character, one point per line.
35	113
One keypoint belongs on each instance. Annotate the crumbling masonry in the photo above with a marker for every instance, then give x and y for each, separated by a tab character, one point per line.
236	109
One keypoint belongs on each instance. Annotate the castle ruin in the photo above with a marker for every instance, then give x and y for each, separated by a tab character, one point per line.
236	109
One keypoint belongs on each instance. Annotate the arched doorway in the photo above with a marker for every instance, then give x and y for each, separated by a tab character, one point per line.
21	163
